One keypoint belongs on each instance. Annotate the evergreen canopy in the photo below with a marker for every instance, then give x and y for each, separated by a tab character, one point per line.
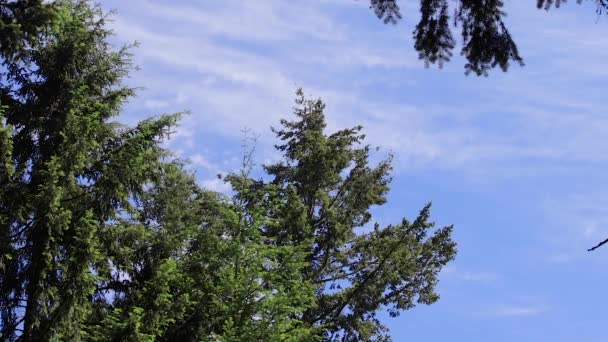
104	236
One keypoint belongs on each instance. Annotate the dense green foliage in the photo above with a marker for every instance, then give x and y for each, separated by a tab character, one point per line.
21	24
486	41
105	237
328	186
63	173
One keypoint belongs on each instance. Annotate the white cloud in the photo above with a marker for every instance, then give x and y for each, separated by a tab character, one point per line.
585	214
575	223
261	20
201	161
481	277
156	104
516	311
474	276
215	184
235	64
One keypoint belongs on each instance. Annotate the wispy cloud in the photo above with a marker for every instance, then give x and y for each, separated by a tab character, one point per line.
215	184
482	277
515	311
473	276
574	224
201	161
156	104
269	20
235	64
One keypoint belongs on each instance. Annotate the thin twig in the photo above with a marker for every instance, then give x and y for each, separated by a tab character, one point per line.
598	245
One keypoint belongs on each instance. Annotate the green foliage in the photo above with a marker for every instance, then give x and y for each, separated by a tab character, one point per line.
327	187
21	24
105	237
63	168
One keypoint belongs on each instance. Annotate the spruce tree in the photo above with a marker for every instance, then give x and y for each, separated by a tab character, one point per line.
327	187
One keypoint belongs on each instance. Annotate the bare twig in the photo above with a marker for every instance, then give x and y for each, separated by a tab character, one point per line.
598	245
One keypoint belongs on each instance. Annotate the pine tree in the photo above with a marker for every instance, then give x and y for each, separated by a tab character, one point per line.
327	187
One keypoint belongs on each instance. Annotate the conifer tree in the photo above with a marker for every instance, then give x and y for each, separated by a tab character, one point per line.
21	23
327	186
254	290
105	237
192	265
65	169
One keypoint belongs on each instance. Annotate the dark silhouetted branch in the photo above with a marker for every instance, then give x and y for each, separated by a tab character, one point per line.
598	245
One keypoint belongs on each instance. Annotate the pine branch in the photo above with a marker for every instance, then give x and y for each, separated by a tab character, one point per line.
12	329
338	310
344	275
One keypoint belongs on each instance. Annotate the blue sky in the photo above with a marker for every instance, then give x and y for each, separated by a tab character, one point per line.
515	161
